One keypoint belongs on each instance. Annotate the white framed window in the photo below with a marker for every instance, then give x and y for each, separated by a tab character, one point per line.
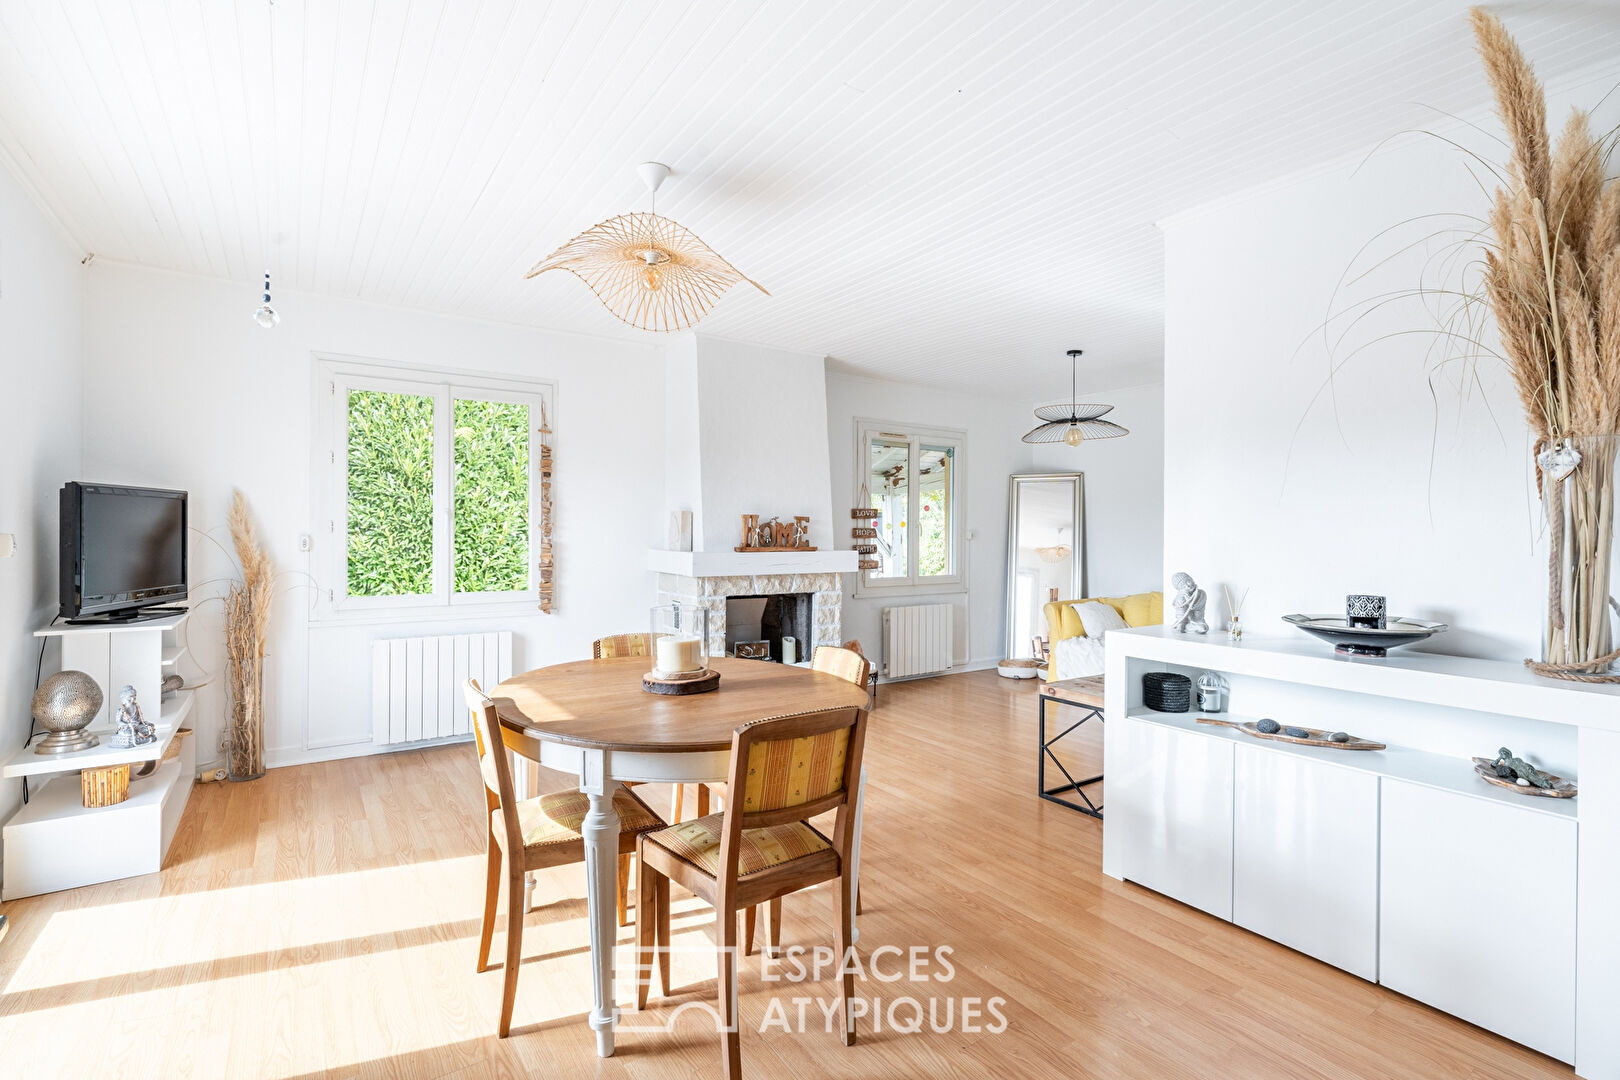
428	489
912	476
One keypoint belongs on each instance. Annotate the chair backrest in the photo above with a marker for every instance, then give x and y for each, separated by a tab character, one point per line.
791	768
621	645
846	663
492	763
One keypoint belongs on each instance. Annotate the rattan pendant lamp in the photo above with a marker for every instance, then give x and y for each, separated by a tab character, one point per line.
649	271
1073	421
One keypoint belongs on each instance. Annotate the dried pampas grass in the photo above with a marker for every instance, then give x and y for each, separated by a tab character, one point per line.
247	628
1552	278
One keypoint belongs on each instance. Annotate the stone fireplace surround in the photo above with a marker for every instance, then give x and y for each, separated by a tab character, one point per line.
825	590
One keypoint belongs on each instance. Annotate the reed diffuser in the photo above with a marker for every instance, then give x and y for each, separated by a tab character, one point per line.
247	627
1234	615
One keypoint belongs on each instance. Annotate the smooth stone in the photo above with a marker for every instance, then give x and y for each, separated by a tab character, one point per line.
1297	732
1268	726
1522	782
1339	736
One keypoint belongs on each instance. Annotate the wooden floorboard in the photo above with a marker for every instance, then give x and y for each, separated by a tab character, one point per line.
322	922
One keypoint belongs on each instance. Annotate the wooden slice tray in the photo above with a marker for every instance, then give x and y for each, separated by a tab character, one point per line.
1316	737
689	682
1485	768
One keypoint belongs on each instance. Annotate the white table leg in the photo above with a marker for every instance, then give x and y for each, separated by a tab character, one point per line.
601	832
855	852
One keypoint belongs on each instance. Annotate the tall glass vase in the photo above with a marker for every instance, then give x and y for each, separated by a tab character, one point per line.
245	690
1578	494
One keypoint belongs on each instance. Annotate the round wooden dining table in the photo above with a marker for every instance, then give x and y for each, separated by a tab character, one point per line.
591	718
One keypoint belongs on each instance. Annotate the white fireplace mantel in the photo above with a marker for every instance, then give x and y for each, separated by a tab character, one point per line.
701	564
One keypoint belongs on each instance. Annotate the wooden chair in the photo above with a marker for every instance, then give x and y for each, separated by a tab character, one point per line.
784	771
870	682
642	645
851	665
622	645
533	834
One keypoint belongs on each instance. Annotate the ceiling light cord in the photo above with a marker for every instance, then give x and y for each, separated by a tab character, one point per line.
1074	376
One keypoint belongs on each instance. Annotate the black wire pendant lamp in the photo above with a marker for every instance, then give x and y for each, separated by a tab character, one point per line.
1072	421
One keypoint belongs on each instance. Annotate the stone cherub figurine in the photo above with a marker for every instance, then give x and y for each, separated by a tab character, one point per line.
133	729
1187	606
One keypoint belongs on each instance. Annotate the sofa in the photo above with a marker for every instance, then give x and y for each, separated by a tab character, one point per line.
1062	621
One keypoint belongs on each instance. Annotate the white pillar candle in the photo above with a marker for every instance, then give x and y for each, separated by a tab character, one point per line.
790	651
679	654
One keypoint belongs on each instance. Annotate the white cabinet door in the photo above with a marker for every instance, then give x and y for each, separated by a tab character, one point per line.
1305	856
1478	912
1170	797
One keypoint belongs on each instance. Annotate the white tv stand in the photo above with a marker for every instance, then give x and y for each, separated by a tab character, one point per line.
53	841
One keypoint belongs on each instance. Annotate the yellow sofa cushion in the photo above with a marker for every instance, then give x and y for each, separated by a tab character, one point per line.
1142	609
1068	625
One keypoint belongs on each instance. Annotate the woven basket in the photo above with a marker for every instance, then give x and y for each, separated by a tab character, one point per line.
1165	691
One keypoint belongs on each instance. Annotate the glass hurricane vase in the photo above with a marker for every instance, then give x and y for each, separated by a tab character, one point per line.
680	639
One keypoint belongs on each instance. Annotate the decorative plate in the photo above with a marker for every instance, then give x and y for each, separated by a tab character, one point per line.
1365	640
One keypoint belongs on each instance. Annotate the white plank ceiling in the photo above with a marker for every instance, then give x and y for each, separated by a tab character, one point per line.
945	191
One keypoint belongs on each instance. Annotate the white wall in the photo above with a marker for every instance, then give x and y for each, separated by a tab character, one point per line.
41	288
1124	492
746	434
1403	480
992	453
182	389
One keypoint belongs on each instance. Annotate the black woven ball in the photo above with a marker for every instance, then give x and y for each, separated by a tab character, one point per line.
1165	691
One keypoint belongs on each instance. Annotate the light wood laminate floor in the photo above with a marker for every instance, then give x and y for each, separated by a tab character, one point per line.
323	922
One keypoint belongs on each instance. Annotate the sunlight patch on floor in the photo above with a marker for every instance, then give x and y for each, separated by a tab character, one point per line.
246	920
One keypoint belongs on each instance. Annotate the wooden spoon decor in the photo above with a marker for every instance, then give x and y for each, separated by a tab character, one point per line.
1312	736
1561	788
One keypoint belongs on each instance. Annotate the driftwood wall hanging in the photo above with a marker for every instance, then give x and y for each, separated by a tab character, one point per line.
547	563
864	532
775	535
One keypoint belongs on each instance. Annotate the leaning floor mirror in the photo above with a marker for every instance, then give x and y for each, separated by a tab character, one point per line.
1046	552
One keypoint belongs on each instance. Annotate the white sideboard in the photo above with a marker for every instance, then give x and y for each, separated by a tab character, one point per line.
1400	866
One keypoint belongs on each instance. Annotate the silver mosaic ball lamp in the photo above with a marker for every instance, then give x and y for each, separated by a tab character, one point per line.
64	705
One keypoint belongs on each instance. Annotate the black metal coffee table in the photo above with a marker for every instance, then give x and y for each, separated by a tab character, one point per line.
1086	695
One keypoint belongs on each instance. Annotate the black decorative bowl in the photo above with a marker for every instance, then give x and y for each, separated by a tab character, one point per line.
1365	640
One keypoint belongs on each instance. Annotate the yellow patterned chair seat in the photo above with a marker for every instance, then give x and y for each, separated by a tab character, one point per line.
698	842
556	818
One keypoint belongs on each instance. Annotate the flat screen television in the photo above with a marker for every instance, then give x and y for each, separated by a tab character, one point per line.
123	550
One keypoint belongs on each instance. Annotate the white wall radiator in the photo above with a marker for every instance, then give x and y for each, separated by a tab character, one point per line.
917	640
416	683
